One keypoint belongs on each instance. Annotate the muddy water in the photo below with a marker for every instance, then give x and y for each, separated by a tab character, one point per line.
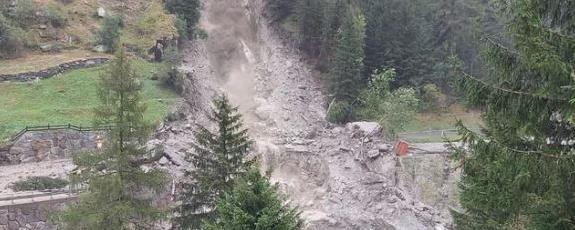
232	39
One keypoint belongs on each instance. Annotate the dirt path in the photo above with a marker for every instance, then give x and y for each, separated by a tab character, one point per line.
339	177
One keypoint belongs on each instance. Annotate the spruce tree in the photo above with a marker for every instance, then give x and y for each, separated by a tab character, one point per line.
310	21
253	204
120	193
519	173
346	79
218	159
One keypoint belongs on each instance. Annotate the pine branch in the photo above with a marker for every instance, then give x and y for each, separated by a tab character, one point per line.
521	93
472	137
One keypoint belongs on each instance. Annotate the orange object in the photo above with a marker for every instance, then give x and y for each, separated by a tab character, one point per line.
401	148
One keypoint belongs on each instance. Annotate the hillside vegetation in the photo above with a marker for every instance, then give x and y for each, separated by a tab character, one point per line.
32	26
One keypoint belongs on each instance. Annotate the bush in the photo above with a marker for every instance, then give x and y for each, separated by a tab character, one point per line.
56	17
187	10
12	39
433	99
24	13
339	112
39	183
392	109
109	34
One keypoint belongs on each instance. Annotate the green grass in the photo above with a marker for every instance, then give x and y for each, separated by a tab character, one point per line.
71	98
440	121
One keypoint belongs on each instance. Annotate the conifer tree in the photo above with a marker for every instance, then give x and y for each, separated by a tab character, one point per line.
186	10
346	78
310	21
519	173
253	204
217	160
120	193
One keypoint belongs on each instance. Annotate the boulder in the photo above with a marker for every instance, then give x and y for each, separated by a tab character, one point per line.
373	154
366	128
296	148
383	148
99	49
101	12
46	47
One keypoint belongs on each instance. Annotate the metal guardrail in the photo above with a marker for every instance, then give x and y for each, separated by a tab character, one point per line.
432	134
59	127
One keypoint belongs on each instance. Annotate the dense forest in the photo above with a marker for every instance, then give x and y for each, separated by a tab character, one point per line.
355	39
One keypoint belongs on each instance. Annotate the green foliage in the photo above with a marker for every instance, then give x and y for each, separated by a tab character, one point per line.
392	109
24	13
433	100
109	34
310	16
39	183
253	204
120	193
169	74
339	112
218	159
518	175
186	10
11	39
56	16
346	79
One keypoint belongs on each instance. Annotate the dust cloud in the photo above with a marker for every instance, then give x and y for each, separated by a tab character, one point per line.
231	42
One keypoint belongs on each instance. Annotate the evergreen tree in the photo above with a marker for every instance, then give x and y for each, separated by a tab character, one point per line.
310	21
188	11
518	174
253	204
399	35
346	79
333	11
120	193
217	160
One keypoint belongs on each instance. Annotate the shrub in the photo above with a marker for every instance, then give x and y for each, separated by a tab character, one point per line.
188	10
433	99
393	109
55	16
39	183
24	13
109	34
152	25
339	112
11	39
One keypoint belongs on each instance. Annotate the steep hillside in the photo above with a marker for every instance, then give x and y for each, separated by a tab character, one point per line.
33	26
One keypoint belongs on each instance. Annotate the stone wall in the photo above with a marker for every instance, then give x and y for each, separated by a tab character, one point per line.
50	72
433	179
38	146
32	216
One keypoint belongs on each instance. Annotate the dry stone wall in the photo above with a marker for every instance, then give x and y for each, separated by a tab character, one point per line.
50	72
38	146
30	216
